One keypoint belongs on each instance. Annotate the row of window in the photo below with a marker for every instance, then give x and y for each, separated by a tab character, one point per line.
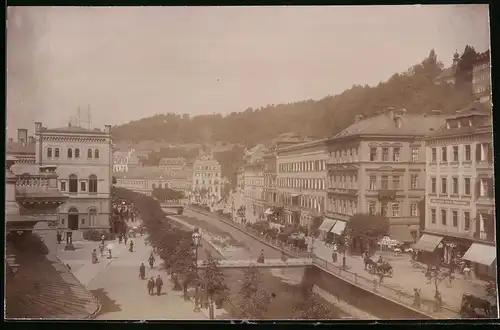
206	175
73	186
210	189
207	182
311	202
462	153
306	166
485	186
444	215
395	156
302	183
254	182
207	168
395	184
91	153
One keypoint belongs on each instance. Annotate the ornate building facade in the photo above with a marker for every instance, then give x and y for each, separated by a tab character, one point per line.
83	159
460	201
207	180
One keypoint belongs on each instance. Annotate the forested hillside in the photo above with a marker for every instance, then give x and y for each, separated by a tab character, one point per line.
413	90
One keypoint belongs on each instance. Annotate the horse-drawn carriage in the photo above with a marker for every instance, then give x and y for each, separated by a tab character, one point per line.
298	242
379	268
475	307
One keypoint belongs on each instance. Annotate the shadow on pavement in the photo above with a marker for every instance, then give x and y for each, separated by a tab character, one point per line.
107	305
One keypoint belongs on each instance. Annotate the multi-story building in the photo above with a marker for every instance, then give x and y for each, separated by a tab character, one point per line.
145	179
175	164
460	202
207	180
377	166
301	181
24	152
84	167
270	179
254	189
125	160
240	178
481	77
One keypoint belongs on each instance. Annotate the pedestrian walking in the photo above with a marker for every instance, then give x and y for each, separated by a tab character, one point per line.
158	284
151	286
131	248
94	256
125	239
101	249
58	237
102	239
142	271
260	259
151	260
120	239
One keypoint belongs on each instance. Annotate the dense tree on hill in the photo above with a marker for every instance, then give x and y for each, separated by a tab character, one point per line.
413	90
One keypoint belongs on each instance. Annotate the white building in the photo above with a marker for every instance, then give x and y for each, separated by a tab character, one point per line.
207	180
84	166
124	160
254	190
460	202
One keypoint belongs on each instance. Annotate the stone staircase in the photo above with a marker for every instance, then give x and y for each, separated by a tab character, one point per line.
41	287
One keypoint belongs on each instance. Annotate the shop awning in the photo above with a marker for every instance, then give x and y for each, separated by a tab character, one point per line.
326	225
339	227
481	253
296	195
269	211
428	243
400	233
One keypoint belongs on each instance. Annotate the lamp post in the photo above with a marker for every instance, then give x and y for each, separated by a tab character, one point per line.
196	241
346	242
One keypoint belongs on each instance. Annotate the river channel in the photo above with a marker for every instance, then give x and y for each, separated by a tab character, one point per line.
286	284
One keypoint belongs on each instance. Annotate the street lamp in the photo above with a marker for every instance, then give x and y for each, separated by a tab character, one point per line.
346	242
196	241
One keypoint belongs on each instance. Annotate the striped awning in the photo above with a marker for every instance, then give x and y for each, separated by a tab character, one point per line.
481	253
400	233
326	225
428	243
339	227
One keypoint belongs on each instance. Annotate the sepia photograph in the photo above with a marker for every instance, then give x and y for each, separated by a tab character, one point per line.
249	163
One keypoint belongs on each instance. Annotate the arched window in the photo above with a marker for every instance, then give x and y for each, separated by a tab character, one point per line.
73	183
70	153
73	218
92	183
89	153
56	152
96	153
49	152
77	153
92	217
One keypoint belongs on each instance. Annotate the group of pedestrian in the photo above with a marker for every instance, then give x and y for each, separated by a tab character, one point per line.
152	284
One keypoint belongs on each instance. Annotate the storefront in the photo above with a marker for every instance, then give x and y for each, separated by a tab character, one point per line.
325	227
483	258
401	233
427	248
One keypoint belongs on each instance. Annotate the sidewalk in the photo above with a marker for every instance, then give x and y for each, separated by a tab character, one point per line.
406	277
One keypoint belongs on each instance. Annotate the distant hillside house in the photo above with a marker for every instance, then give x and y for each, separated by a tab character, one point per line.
481	73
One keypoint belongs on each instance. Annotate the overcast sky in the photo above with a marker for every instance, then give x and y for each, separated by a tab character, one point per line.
128	63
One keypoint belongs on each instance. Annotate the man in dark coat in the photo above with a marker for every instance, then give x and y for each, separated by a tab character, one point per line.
151	286
142	271
158	284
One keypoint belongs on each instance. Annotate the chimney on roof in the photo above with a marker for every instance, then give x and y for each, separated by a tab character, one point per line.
31	139
38	126
107	128
22	135
11	140
390	113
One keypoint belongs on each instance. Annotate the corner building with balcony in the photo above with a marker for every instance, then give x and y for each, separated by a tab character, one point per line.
460	202
83	158
253	198
377	166
301	182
